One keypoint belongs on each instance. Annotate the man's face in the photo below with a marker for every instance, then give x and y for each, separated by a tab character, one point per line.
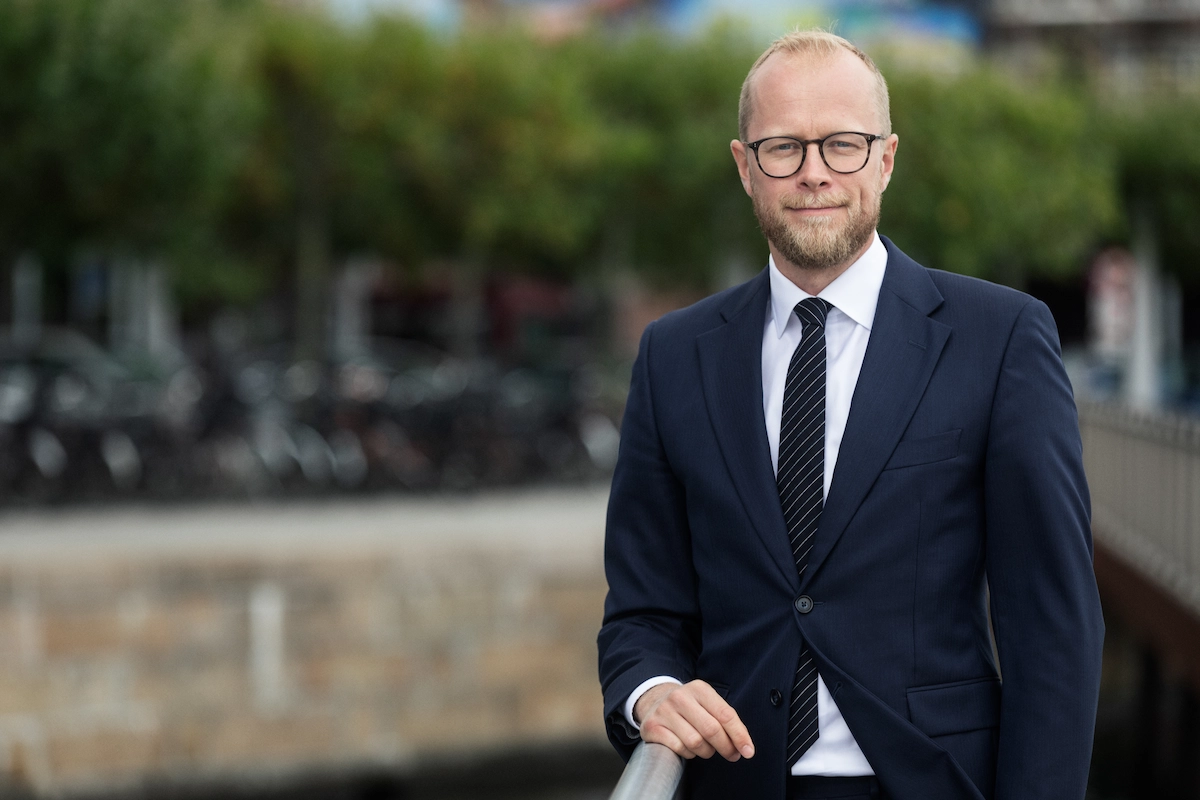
817	220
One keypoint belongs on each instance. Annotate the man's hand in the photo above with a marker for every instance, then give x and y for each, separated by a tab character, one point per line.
692	720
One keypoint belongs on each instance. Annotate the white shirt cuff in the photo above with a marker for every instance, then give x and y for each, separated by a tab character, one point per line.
637	693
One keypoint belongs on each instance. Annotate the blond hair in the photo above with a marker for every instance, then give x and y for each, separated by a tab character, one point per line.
819	43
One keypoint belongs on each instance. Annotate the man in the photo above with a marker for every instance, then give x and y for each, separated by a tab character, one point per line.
828	477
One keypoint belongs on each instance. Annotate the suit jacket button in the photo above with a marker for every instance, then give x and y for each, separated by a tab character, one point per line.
804	604
776	698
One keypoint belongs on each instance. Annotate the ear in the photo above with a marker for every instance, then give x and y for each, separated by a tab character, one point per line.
888	162
741	154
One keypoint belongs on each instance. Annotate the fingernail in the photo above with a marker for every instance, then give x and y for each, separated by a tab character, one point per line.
748	751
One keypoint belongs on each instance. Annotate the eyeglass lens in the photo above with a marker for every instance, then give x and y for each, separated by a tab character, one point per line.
781	157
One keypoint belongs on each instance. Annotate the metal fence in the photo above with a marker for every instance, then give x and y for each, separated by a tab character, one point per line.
1144	474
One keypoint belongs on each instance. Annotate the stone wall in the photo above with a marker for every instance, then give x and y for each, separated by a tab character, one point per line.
199	644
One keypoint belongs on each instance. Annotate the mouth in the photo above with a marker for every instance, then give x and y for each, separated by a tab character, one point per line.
813	212
812	204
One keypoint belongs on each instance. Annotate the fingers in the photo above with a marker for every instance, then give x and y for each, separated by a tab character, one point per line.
668	727
693	720
707	727
732	729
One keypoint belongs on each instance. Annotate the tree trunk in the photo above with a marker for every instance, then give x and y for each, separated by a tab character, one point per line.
312	285
467	318
312	224
27	299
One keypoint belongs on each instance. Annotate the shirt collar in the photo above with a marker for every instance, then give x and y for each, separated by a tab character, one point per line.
855	292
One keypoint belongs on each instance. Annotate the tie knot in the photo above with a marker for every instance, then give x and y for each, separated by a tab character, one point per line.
812	311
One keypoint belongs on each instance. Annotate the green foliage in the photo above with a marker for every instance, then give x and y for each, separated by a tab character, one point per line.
1159	156
997	180
386	140
518	146
118	134
29	179
676	209
229	139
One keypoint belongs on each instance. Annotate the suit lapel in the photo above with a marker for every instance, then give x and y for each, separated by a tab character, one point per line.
904	347
731	376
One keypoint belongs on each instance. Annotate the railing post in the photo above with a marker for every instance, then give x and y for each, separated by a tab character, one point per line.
653	773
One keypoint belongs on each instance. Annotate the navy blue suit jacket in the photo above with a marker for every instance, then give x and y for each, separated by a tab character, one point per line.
959	480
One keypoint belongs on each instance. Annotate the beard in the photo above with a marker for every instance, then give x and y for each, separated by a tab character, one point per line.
817	244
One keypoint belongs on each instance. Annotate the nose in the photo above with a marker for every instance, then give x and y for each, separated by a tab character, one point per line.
813	174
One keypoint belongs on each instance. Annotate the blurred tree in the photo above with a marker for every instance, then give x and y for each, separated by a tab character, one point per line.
250	144
520	152
381	140
511	158
675	209
997	180
119	128
283	213
1158	147
35	211
387	165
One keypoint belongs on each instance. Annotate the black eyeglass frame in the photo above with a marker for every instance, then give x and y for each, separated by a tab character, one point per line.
820	143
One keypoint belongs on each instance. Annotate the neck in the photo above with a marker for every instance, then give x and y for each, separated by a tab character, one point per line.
814	281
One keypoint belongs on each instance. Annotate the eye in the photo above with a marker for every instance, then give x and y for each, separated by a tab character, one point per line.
846	143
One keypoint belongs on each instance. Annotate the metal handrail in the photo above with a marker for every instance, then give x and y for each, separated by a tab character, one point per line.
653	773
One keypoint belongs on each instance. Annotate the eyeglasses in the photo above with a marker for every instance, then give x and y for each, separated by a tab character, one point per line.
783	156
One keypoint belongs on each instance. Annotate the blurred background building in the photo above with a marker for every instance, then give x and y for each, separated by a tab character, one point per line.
316	320
1127	47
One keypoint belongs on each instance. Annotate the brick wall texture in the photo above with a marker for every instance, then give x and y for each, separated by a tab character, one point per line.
193	644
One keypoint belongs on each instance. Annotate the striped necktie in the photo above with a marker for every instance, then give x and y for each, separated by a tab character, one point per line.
801	480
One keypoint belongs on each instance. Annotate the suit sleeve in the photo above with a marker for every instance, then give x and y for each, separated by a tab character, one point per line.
651	616
1045	607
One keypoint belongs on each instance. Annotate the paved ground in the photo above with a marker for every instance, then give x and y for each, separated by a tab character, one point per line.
546	520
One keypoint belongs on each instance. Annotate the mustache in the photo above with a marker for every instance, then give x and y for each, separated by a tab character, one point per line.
795	201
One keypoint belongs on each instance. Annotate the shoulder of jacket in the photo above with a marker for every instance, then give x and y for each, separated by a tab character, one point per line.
977	296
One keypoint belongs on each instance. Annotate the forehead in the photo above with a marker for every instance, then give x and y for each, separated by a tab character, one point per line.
812	95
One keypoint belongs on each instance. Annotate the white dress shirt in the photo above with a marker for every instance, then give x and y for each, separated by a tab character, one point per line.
853	296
